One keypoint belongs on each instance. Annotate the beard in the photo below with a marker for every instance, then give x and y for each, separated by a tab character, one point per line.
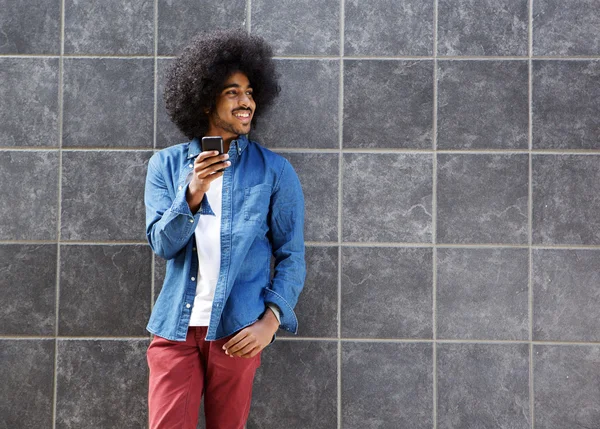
230	127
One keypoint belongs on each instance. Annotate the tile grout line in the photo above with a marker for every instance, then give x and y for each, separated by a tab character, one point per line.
58	211
434	218
327	57
340	209
153	257
248	16
530	204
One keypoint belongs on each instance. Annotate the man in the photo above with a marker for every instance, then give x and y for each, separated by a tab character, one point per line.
218	220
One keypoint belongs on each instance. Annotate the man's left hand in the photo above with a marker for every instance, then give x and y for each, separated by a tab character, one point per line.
251	340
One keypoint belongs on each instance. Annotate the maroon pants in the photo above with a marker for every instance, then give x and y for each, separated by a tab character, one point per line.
180	372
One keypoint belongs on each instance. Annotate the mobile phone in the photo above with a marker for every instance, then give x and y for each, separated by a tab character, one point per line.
213	143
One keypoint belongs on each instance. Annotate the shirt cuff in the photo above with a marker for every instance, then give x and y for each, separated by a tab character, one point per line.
275	310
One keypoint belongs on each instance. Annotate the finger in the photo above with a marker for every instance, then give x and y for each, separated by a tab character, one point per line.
241	346
203	169
212	158
206	154
236	339
251	353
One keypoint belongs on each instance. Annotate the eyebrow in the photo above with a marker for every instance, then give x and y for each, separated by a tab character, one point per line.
233	85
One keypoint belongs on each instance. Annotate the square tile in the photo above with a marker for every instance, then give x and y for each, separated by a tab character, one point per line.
29	195
28	285
388	28
167	133
317	308
27	383
298	28
102	384
566	105
309	95
565	295
561	30
387	292
483	294
483	386
18	38
483	104
567	386
387	385
108	102
29	93
388	104
483	27
103	195
387	197
295	386
114	282
566	199
111	27
482	198
318	174
180	20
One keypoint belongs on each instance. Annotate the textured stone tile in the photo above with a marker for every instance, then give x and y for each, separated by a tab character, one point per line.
566	199
108	102
160	270
26	388
103	195
566	105
567	386
386	292
109	27
559	29
482	104
302	28
387	197
28	284
180	20
167	134
483	386
317	306
482	27
29	94
388	104
318	174
388	28
102	384
565	295
482	294
482	198
295	386
104	290
18	38
29	195
305	115
387	385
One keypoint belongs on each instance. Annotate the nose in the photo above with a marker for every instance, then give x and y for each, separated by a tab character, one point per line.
244	100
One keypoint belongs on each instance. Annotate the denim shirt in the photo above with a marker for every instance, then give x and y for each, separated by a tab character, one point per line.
262	216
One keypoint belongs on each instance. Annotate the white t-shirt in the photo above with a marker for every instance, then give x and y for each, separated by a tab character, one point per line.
208	248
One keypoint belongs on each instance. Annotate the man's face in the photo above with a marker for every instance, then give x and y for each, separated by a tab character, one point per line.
234	109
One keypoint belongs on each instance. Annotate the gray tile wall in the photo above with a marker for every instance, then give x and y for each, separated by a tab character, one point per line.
448	150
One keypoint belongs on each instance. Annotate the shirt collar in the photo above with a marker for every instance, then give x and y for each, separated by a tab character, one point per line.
194	146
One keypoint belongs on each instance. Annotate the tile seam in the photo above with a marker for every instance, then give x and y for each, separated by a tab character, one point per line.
434	219
530	203
340	210
58	212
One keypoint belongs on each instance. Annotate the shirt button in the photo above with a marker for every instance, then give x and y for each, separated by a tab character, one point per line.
191	220
191	165
193	278
180	188
188	305
194	249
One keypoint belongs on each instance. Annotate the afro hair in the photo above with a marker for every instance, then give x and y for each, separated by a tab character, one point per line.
196	77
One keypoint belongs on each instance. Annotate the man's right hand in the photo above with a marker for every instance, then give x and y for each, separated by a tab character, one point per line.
206	169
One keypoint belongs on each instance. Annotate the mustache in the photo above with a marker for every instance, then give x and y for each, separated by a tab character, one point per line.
242	110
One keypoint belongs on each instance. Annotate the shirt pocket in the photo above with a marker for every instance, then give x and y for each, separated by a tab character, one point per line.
256	203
